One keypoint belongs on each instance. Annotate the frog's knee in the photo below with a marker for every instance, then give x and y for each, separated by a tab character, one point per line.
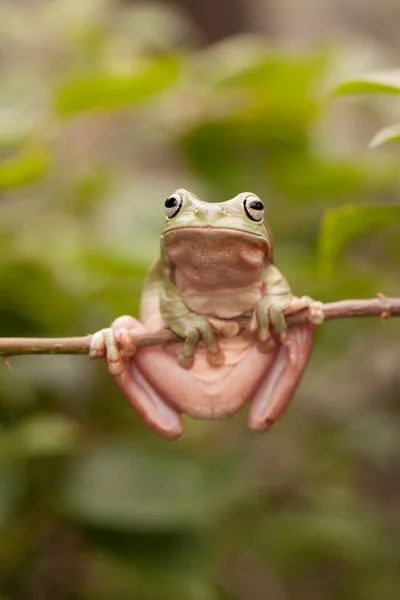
125	322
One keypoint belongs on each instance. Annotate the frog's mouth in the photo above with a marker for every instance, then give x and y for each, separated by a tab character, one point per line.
199	234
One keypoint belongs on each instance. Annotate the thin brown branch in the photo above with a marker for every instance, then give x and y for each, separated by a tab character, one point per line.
376	307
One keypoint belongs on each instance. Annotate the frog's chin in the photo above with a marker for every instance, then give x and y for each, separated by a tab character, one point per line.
216	257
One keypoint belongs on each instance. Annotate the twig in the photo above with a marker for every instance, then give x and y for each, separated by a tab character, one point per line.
377	307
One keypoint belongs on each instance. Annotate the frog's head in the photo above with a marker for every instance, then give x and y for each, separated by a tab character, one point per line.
241	218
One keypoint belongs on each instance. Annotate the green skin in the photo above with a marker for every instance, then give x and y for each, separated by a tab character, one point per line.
268	310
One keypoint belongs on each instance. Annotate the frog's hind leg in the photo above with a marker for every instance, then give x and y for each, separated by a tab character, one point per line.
140	394
150	406
276	391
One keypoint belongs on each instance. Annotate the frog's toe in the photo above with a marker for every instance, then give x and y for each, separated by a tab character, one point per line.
116	345
263	333
185	357
186	362
252	325
315	309
278	323
259	324
97	345
103	343
216	358
200	329
266	347
125	343
316	312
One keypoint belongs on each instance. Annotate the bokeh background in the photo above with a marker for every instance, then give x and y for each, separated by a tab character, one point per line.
106	107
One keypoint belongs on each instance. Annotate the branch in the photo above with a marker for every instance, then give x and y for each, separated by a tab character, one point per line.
376	307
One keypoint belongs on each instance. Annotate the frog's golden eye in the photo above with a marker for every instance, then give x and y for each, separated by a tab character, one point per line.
254	208
173	205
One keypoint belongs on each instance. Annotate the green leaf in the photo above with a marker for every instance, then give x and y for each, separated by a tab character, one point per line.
377	82
112	91
341	226
28	165
387	134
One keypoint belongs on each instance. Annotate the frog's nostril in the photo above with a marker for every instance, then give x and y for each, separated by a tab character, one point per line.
210	212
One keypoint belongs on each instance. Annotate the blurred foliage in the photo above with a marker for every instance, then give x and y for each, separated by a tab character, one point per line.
381	82
342	225
105	109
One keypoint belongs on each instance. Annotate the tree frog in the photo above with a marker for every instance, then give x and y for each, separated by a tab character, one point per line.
216	265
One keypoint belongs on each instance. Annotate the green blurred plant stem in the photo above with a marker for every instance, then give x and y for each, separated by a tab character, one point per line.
376	307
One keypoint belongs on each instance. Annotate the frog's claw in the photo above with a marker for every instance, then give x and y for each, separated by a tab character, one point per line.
186	356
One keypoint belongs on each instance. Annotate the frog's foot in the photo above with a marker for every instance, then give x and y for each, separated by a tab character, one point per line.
315	315
116	344
193	328
315	309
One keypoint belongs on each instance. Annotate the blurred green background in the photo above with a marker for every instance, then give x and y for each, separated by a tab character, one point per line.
106	107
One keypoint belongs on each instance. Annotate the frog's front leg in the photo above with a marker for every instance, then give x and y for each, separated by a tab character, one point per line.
115	343
282	379
189	325
268	320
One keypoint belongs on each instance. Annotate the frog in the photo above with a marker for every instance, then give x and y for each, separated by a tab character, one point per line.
215	271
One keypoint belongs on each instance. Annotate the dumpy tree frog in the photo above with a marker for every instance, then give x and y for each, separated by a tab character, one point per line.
215	266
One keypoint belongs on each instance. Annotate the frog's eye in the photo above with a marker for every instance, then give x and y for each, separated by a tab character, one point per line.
173	205
254	208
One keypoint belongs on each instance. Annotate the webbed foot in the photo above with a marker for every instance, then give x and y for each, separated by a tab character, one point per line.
115	344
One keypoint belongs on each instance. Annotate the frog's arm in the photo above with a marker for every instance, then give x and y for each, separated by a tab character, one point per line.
275	282
184	322
276	296
268	313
